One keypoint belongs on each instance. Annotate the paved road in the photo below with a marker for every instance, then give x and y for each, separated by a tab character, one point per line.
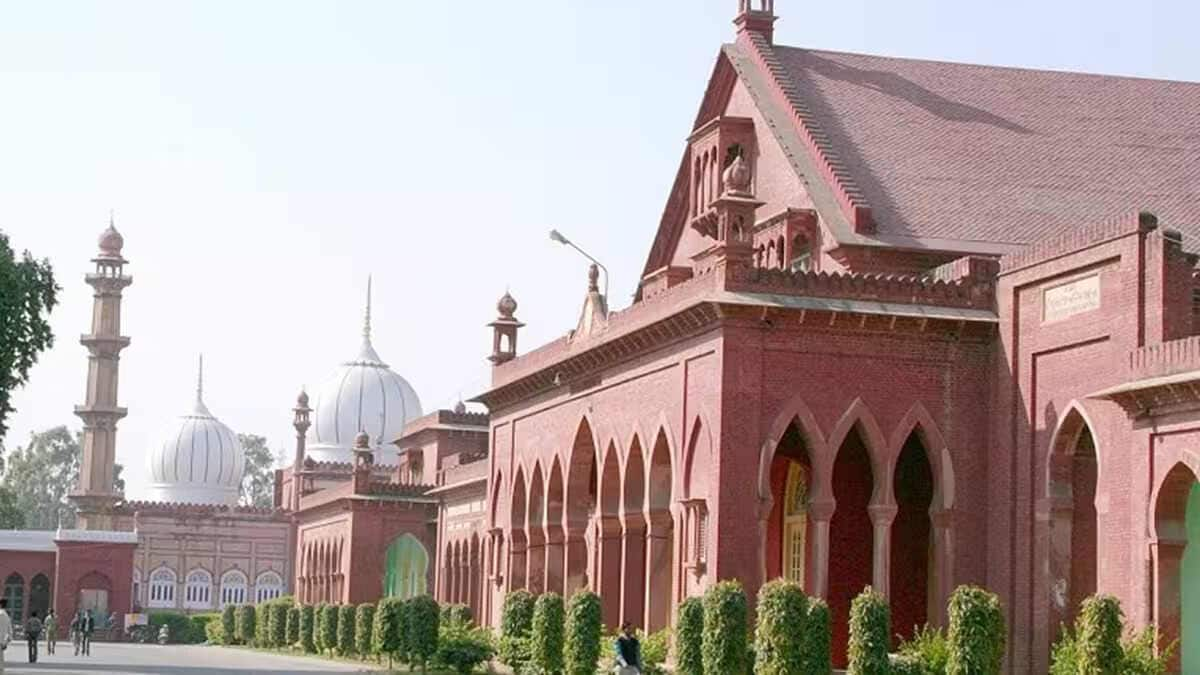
129	659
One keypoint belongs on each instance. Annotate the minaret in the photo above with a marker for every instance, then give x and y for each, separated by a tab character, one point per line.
301	424
94	496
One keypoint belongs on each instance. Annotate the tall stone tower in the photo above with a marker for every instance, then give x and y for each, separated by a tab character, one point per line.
95	495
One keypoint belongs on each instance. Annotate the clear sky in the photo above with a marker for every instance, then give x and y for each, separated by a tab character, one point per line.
264	157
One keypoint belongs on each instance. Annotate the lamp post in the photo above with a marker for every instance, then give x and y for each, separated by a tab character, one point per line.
555	235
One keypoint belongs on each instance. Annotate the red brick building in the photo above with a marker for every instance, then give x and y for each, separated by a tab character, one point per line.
903	323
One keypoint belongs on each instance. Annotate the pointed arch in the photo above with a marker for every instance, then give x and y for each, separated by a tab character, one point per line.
1073	421
858	415
633	523
918	420
606	537
555	516
1175	551
794	411
407	564
660	571
516	532
698	459
535	532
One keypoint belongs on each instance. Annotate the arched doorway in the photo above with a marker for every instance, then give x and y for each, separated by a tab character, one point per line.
580	508
912	567
535	533
1177	565
554	530
94	591
39	594
516	549
851	535
660	537
788	543
406	568
607	535
14	593
633	523
1072	500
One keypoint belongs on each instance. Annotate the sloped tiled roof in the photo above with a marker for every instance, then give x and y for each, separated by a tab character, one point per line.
1001	155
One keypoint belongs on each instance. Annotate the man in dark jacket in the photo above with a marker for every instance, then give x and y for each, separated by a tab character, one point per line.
87	625
33	632
629	651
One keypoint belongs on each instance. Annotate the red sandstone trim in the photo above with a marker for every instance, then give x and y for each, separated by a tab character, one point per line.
151	507
1166	358
849	194
1075	240
967	292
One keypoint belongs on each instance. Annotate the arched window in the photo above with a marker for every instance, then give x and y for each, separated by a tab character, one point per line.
795	522
197	591
233	588
14	592
162	588
267	586
137	586
407	568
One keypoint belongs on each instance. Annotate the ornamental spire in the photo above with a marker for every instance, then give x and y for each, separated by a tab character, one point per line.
367	314
367	353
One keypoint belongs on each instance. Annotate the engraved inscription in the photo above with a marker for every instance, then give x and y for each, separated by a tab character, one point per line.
1069	299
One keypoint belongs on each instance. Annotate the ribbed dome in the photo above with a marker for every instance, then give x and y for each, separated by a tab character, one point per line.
199	461
364	394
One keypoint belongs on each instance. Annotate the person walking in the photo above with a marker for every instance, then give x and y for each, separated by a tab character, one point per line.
87	626
76	626
629	651
5	630
33	633
50	628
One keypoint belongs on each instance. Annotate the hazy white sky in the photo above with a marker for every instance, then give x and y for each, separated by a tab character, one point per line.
264	157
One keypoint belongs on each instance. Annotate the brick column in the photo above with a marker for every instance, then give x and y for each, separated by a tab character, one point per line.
633	569
608	576
659	571
882	516
820	513
1168	562
575	563
555	559
943	565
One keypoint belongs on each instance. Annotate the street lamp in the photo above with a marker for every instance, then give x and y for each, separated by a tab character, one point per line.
555	235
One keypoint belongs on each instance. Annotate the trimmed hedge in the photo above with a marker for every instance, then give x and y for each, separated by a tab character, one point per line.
654	651
278	634
215	633
180	629
386	634
364	620
423	619
1100	625
977	634
329	628
818	639
245	624
870	634
345	632
318	632
581	646
689	638
262	618
516	622
547	636
779	634
462	648
307	621
292	626
725	646
229	624
457	613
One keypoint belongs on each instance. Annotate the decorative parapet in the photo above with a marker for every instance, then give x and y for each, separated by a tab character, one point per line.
178	509
964	292
1167	358
1075	239
390	489
444	419
97	536
849	195
973	267
463	467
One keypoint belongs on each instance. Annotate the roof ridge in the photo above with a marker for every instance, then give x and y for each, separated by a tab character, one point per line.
1075	239
988	66
849	194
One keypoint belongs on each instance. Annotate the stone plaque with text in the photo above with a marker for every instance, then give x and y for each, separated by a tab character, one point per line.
1074	297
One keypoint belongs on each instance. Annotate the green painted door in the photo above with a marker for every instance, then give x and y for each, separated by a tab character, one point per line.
406	568
1189	584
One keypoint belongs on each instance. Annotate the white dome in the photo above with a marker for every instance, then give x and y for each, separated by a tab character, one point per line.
362	395
199	461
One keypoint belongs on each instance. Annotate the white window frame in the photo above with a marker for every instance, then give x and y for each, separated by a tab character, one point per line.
162	588
137	585
234	588
268	586
197	590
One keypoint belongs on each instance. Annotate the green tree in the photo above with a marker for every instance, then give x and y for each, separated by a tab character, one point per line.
229	624
725	629
27	295
387	635
11	517
581	650
779	634
689	637
306	629
364	620
423	619
870	634
258	480
548	620
42	474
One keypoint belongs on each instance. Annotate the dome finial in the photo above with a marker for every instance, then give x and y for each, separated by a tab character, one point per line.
200	380
367	314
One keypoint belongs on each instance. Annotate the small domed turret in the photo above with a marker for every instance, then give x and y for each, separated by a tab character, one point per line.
737	177
111	241
507	306
362	441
